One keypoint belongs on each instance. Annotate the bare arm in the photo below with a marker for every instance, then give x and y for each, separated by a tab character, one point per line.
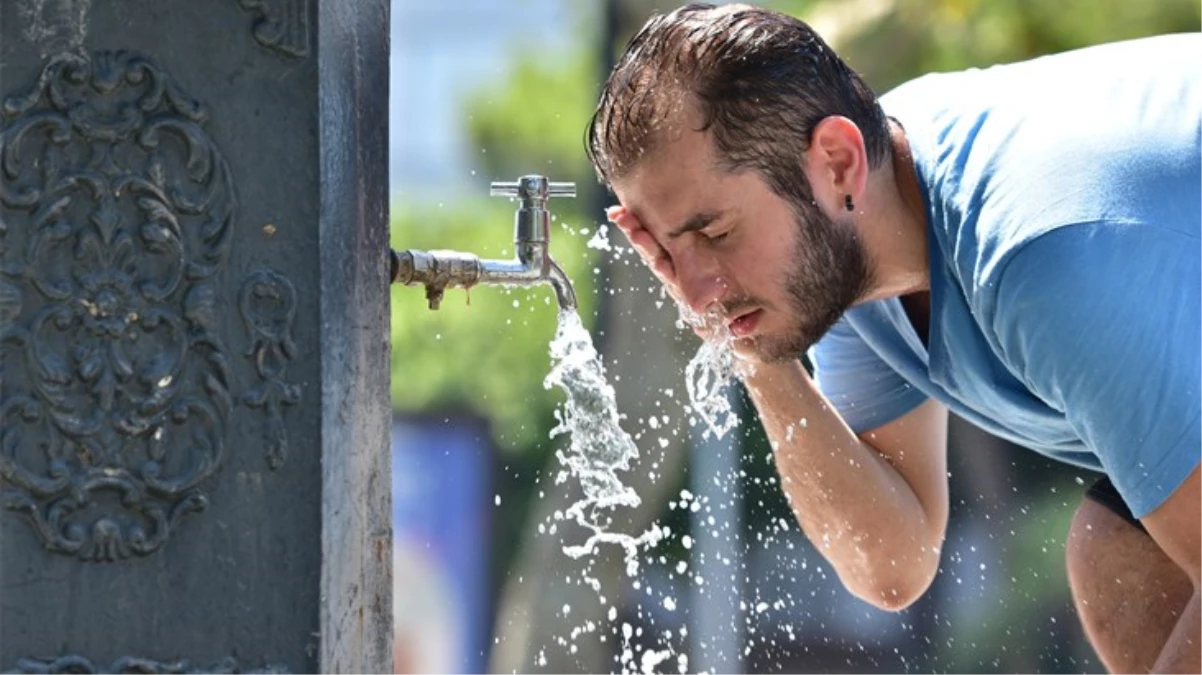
876	506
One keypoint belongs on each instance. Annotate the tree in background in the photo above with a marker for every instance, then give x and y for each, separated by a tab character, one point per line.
491	359
537	118
891	41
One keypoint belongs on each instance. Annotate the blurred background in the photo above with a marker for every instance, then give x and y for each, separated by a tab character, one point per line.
488	90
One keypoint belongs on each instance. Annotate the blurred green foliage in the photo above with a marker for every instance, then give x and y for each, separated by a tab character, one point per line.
534	121
1037	587
891	41
491	357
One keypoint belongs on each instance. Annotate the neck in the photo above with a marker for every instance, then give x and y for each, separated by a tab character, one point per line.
892	224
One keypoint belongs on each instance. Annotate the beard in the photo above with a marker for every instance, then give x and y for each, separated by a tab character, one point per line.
831	272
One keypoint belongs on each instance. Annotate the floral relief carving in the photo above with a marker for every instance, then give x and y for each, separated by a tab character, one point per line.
281	25
116	211
267	303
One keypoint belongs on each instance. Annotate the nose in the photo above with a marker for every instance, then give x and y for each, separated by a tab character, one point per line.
700	279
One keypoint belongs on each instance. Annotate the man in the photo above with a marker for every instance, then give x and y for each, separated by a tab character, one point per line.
1019	244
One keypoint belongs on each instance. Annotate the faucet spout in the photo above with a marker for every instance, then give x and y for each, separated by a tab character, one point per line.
532	263
564	293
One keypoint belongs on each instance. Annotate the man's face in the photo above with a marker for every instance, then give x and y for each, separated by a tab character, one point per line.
779	275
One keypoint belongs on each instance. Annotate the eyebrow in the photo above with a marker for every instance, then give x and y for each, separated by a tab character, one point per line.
696	223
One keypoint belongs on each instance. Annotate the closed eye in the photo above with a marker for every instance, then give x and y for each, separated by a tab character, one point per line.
716	238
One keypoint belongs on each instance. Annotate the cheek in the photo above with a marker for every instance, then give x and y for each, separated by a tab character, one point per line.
755	272
771	265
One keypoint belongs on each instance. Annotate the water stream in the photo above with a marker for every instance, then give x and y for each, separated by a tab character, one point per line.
598	449
595	452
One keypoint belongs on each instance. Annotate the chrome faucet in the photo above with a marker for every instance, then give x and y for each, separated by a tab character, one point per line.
532	264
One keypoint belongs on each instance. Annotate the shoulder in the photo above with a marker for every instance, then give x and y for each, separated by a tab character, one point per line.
1095	287
1096	259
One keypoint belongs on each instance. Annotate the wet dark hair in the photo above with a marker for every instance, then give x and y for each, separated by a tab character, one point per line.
761	81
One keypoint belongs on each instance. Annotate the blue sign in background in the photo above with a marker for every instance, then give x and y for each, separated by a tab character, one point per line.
442	503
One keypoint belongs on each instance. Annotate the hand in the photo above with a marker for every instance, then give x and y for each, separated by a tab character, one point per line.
646	246
658	260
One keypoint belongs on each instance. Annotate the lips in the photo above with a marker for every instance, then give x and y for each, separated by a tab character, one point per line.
745	324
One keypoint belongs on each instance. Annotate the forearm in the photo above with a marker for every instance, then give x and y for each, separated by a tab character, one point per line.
1181	651
849	500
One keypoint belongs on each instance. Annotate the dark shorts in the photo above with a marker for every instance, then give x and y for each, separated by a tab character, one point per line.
1104	493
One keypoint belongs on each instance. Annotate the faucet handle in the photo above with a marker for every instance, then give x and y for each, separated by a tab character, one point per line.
561	189
532	189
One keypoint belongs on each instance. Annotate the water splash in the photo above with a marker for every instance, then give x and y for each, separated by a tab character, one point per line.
707	379
711	372
599	450
598	447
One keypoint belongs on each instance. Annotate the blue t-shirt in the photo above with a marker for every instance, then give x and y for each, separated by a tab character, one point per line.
1063	213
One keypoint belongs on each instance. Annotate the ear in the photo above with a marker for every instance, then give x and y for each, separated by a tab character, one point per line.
837	163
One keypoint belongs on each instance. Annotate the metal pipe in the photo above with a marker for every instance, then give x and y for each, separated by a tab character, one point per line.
439	270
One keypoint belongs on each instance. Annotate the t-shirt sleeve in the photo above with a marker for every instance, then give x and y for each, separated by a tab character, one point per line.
1103	323
864	390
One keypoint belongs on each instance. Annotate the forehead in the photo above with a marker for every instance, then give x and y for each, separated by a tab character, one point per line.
673	183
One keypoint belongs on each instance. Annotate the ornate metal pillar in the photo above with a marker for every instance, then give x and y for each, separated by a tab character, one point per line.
194	414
